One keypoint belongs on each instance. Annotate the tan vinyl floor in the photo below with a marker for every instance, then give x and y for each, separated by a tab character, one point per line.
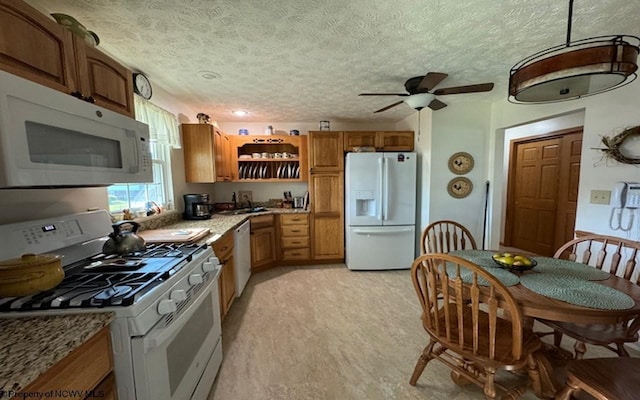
324	332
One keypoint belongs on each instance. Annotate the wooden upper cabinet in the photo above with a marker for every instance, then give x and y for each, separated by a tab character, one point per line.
394	141
107	81
222	151
35	47
199	153
326	151
382	140
359	139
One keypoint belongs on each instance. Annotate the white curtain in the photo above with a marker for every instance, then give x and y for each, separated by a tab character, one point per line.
163	125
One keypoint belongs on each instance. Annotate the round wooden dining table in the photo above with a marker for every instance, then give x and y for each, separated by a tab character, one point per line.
535	305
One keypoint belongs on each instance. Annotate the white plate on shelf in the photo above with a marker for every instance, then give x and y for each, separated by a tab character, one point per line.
279	172
264	171
297	176
252	171
241	171
290	171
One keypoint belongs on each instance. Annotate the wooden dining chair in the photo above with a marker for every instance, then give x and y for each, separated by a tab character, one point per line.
615	255
466	330
602	378
445	236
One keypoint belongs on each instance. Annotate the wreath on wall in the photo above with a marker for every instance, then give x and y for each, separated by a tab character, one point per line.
613	145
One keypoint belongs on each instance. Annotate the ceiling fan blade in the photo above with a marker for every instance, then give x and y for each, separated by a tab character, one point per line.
482	87
436	104
430	80
384	94
388	107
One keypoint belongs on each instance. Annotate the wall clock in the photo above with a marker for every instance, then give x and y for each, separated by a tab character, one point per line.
461	163
142	85
459	187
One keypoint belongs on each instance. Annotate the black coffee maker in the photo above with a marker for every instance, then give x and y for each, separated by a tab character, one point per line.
197	206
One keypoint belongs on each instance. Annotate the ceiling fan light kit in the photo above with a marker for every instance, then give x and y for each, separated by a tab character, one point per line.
419	101
575	69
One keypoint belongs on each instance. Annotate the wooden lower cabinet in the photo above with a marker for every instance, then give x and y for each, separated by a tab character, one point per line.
223	248
107	390
294	238
263	242
328	237
88	368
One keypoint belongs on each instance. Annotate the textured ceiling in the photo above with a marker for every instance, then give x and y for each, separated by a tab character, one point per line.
307	60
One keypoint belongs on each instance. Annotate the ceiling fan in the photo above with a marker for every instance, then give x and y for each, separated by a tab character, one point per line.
420	94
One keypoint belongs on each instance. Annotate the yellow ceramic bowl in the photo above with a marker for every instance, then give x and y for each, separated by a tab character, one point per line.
30	274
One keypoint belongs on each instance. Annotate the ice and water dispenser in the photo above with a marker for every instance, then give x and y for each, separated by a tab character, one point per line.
365	203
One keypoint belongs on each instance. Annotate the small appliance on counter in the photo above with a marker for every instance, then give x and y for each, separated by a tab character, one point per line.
197	206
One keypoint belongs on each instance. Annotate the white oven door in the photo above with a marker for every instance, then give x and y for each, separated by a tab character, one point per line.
170	360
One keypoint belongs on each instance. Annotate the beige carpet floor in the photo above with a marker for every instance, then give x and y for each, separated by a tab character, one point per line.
324	332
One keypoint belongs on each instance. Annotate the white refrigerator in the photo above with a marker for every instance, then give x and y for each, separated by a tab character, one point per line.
380	198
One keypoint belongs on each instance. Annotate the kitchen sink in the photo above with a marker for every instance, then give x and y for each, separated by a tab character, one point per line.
243	211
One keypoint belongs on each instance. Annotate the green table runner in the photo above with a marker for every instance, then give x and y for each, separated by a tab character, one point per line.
558	279
577	291
570	269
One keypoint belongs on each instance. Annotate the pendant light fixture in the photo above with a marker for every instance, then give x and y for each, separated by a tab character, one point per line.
575	69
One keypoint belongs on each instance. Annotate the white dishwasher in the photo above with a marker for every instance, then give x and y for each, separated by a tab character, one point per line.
242	256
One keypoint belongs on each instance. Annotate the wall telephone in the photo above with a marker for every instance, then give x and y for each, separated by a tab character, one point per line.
625	196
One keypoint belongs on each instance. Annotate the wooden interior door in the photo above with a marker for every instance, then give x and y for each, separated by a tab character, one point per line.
543	191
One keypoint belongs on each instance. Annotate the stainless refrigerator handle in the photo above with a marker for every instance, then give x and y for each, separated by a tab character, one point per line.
380	188
386	190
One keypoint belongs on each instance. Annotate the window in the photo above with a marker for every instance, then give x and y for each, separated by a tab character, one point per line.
137	196
163	130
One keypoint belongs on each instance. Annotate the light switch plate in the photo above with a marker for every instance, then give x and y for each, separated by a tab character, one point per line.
600	197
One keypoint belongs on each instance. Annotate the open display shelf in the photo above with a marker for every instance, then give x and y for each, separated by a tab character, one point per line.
270	158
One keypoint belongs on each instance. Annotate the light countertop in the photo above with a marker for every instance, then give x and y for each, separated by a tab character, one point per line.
219	224
29	346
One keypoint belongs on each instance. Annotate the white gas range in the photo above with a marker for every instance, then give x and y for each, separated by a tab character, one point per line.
166	335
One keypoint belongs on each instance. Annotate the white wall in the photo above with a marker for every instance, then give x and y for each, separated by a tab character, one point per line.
604	115
420	122
460	127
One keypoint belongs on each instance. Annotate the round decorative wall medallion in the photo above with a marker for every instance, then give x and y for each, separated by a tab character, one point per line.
461	163
460	187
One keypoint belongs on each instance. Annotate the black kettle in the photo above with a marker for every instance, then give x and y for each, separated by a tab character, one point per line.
120	242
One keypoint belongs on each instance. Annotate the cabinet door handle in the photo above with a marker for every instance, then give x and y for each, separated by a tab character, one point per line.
295	230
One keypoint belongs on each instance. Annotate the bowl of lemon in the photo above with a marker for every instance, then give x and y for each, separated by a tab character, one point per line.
514	262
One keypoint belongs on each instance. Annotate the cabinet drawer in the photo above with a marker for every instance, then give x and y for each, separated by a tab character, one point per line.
294	230
294	242
261	221
294	219
296	254
223	246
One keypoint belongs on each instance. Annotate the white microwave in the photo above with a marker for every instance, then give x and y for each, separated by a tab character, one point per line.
52	139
